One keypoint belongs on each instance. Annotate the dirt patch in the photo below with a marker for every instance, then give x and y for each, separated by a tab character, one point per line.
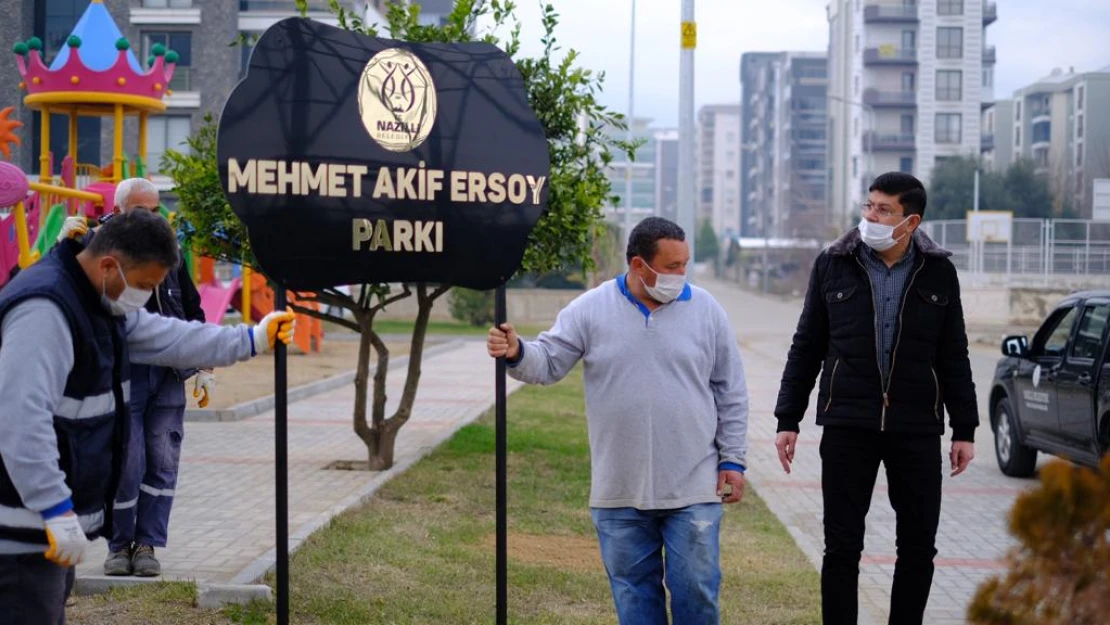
247	381
568	553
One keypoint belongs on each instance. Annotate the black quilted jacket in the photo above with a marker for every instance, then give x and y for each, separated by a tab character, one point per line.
836	337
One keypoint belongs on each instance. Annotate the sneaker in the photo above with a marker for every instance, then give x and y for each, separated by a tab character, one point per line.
144	563
119	562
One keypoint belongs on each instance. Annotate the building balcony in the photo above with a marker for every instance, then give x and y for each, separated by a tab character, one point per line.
986	143
890	99
890	55
877	142
877	13
284	6
990	13
990	56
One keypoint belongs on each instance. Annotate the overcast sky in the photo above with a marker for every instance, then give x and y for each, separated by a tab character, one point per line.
1032	37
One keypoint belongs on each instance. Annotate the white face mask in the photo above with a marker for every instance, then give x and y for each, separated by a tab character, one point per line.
667	287
879	237
129	301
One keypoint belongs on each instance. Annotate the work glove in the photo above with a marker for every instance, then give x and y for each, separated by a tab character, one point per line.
67	540
278	325
205	383
73	226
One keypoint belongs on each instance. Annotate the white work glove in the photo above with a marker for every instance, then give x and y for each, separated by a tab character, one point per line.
73	226
205	382
278	325
67	540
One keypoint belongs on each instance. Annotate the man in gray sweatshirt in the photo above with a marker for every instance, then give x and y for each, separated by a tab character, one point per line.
69	326
667	411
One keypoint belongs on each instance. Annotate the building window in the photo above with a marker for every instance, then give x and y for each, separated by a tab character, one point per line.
988	77
1017	137
1040	158
907	125
909	82
855	126
950	43
949	126
857	43
949	85
182	44
60	18
905	164
167	4
1079	98
1017	111
166	132
950	7
1079	182
909	40
1079	126
1079	156
855	166
1042	132
856	83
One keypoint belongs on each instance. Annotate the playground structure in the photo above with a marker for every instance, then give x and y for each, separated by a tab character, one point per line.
97	74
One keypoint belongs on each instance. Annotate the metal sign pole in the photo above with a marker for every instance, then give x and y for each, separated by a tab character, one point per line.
500	316
281	469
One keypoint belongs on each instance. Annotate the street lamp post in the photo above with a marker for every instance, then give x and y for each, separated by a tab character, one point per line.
631	121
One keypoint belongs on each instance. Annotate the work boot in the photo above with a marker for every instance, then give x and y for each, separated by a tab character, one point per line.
144	563
119	562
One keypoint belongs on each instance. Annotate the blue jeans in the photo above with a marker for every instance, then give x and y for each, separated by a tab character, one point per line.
633	543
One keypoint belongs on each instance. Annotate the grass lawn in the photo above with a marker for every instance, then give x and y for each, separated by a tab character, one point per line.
422	550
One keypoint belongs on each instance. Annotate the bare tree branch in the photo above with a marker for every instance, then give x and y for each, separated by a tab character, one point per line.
390	300
312	312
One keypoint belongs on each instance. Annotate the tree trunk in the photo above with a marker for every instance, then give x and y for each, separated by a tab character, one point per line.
362	376
383	433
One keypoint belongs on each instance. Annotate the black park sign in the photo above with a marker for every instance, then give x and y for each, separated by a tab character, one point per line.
354	159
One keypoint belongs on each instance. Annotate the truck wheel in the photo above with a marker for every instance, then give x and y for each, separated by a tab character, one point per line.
1014	458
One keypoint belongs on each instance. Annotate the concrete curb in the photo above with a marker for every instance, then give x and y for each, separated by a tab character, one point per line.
258	406
209	596
254	572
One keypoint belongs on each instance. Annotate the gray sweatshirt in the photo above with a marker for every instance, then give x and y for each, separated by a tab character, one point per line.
666	399
36	359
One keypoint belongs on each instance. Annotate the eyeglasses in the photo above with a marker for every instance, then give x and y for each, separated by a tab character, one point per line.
882	211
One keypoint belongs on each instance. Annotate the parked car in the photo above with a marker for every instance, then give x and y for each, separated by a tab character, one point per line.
1052	394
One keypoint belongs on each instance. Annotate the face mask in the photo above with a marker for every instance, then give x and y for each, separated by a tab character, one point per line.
667	286
879	237
129	301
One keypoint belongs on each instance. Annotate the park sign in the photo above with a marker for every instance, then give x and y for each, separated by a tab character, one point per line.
354	159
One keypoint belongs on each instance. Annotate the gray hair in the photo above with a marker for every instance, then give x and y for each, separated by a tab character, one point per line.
127	187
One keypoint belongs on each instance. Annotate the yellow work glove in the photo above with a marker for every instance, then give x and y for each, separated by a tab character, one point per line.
205	383
278	325
73	226
67	540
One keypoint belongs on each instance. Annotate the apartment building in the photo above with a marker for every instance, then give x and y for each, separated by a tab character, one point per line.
666	173
907	84
1062	123
200	31
718	167
641	169
783	168
997	143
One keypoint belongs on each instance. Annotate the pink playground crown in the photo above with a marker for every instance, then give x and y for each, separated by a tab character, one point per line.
124	77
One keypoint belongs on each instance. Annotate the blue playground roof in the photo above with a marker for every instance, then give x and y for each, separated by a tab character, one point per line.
98	33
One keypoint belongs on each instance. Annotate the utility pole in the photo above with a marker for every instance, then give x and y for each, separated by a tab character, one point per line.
686	173
631	121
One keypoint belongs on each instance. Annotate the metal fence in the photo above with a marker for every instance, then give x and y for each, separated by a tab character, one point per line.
1066	252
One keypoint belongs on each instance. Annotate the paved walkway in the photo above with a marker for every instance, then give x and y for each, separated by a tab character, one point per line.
972	538
222	526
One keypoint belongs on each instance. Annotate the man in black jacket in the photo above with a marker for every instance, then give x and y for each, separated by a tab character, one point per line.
883	324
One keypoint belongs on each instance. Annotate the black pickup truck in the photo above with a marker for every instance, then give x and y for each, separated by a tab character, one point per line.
1053	394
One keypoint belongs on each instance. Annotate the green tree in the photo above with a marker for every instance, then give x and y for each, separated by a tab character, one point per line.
706	246
952	188
1028	193
561	93
473	307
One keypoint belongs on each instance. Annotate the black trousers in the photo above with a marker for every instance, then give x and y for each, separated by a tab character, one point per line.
849	465
33	590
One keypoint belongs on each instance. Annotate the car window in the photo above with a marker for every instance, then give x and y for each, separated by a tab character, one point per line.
1088	340
1054	338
